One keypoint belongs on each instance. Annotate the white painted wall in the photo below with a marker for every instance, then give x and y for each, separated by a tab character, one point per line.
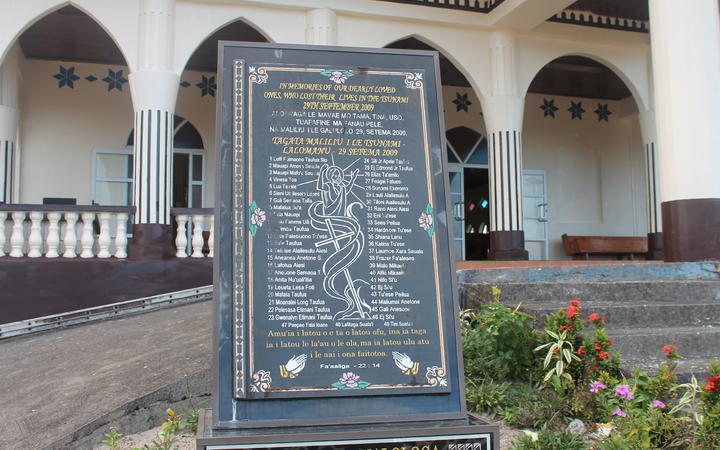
594	169
200	111
60	127
595	173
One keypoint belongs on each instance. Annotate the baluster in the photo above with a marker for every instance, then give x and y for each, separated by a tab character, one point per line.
211	239
53	237
35	238
17	239
87	239
104	237
70	239
181	237
121	236
3	216
197	238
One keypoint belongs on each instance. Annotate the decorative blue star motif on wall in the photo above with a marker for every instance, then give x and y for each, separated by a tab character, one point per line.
549	108
462	102
576	109
66	77
207	86
115	80
603	112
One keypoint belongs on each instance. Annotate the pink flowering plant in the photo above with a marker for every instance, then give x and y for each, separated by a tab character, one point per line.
638	408
582	380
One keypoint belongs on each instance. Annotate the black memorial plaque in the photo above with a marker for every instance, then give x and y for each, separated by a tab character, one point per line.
343	283
334	282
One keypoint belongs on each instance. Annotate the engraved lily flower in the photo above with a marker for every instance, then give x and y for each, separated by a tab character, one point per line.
349	380
293	367
425	220
258	217
338	77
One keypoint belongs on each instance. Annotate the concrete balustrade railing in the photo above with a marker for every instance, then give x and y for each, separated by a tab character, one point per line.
66	231
189	237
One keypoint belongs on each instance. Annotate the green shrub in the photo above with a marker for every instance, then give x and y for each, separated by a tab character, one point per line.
488	396
709	430
497	343
550	440
537	409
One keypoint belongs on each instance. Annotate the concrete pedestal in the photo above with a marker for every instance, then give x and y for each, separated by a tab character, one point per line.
470	433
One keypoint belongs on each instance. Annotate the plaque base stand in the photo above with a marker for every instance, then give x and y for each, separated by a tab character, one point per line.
470	434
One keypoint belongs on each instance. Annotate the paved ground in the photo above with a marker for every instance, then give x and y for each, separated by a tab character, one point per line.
53	383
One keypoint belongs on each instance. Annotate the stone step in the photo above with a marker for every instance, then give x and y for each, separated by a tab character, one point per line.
639	271
628	292
643	343
639	313
686	367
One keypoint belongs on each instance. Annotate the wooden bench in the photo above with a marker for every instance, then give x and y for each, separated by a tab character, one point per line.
582	247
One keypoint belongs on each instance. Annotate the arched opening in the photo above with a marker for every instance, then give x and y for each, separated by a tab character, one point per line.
582	158
74	100
467	157
189	170
198	86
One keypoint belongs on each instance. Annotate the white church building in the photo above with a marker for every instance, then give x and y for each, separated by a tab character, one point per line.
563	117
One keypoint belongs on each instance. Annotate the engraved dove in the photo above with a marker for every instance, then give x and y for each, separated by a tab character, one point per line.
293	367
405	363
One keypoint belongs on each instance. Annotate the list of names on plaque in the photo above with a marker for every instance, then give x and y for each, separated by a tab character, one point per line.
343	275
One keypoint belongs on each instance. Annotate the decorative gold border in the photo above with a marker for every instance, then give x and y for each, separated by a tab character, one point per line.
426	144
239	229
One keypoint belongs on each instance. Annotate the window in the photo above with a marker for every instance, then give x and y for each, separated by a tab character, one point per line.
112	177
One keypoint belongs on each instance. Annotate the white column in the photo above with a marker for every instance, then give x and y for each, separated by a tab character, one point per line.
503	114
70	238
121	235
197	237
104	237
181	237
87	239
9	77
35	238
652	167
686	70
211	239
154	88
53	237
321	27
17	238
3	216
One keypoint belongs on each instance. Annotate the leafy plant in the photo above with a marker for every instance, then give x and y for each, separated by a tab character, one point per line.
550	440
166	435
487	395
562	353
709	430
689	401
189	420
113	438
596	350
497	342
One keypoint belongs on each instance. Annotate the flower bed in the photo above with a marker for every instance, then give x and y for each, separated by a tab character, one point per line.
566	383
